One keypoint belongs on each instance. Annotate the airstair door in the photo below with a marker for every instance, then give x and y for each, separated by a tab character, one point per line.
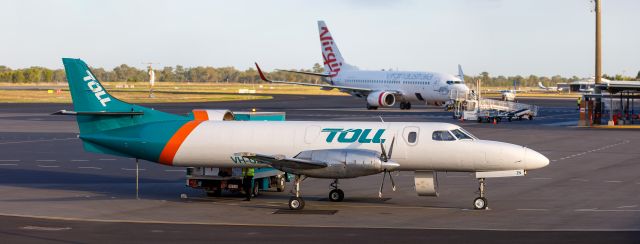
406	140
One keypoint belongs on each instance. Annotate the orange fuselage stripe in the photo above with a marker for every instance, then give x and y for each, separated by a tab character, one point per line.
200	115
172	146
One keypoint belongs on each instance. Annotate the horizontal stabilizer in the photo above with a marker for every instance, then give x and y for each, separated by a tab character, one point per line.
105	113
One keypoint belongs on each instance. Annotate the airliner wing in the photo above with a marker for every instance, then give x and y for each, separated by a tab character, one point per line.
329	87
280	161
303	72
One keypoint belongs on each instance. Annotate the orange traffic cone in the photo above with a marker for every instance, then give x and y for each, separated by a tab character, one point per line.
495	121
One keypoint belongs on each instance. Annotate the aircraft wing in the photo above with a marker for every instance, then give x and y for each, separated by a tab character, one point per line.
303	72
280	161
329	87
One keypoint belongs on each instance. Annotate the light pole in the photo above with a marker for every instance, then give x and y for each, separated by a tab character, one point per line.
598	71
598	44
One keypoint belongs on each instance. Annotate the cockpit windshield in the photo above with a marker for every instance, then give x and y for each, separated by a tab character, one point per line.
452	135
461	135
442	135
452	82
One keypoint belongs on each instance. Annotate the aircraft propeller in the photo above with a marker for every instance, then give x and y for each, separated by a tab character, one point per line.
384	157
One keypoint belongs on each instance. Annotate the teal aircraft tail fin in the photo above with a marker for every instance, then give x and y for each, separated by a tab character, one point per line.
87	93
96	109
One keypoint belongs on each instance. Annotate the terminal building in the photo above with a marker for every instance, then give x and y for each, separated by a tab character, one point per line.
619	104
584	85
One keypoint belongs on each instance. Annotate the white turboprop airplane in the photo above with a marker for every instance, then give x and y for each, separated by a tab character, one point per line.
380	88
321	149
551	88
510	95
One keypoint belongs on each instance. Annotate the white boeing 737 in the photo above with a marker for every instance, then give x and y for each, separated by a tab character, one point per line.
380	88
321	149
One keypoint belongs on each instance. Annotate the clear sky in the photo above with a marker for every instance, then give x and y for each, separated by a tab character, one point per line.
507	37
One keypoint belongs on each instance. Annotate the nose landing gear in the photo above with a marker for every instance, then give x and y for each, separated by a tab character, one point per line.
296	202
480	203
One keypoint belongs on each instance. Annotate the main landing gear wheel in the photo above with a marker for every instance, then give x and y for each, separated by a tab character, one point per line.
405	105
336	195
480	203
369	107
296	203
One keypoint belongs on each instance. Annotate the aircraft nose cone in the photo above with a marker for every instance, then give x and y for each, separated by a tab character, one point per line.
534	160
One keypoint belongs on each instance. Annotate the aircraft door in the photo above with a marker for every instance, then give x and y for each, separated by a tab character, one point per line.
406	141
410	135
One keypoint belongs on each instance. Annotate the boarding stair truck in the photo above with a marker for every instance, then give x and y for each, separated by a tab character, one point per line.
216	181
489	110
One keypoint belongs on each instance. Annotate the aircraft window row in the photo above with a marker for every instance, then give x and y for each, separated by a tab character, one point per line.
416	82
393	82
374	81
451	82
457	134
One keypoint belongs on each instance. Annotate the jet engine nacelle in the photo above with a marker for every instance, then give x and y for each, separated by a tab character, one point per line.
213	114
426	183
344	163
381	99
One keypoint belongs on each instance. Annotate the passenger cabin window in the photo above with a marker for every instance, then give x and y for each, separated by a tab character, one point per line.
412	137
442	135
461	135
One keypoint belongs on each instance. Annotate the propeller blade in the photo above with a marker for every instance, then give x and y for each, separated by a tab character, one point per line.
384	174
393	183
393	140
383	154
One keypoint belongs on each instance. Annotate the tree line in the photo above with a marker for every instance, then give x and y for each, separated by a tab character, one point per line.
167	74
232	75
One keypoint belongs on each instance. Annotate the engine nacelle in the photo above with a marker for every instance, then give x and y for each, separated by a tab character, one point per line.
426	183
345	163
212	114
381	99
